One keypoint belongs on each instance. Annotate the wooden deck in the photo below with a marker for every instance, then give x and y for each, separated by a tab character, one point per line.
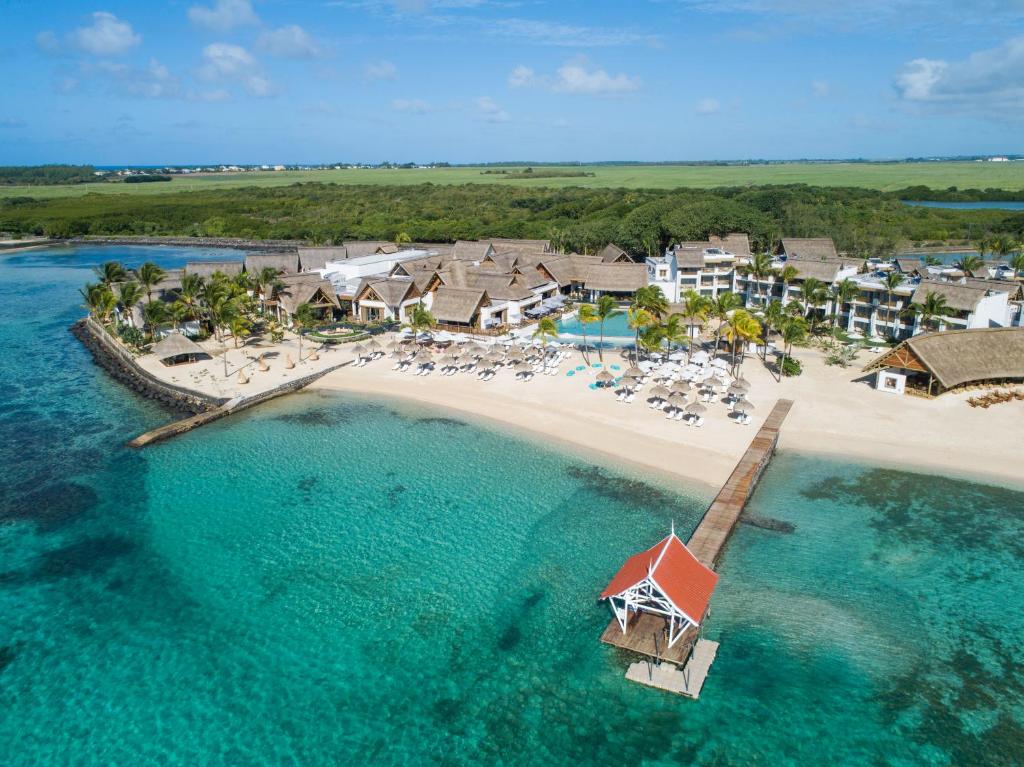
720	519
646	635
688	680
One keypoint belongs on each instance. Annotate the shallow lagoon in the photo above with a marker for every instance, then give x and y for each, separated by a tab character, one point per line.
314	583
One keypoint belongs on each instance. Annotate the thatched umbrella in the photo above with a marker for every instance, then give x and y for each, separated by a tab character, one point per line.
373	345
659	392
358	350
681	387
423	356
494	356
604	378
677	396
242	378
523	367
313	356
628	382
288	363
392	347
635	372
515	353
743	405
695	408
264	367
740	385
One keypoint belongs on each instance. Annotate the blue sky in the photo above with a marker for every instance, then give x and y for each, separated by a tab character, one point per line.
284	81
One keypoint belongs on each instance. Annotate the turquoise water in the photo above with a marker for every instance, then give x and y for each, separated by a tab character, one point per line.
614	328
329	580
1000	205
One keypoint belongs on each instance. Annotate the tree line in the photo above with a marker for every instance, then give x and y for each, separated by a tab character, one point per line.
39	175
862	222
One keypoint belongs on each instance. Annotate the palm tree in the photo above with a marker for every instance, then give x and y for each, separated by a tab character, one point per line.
652	337
933	308
240	325
130	294
760	268
402	238
153	313
890	282
741	328
304	317
606	310
419	318
190	294
150	275
843	292
110	272
639	319
774	316
586	315
1017	262
215	301
983	245
813	294
99	299
546	328
264	282
786	275
794	330
675	331
970	263
720	308
652	299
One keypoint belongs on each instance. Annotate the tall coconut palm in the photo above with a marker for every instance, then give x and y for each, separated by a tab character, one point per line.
265	281
129	293
652	337
150	275
1017	262
652	299
99	299
586	315
240	326
774	316
759	268
969	263
793	331
675	331
786	275
813	294
843	292
545	330
890	282
740	329
110	272
177	313
191	294
153	314
304	317
932	309
639	319
419	318
721	307
606	310
984	245
215	302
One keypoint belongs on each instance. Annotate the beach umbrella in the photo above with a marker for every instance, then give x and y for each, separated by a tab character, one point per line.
288	363
605	378
264	367
494	356
628	382
373	345
700	357
739	387
659	392
680	387
424	356
696	408
719	363
242	378
710	381
743	405
522	367
358	350
635	372
515	353
392	347
677	396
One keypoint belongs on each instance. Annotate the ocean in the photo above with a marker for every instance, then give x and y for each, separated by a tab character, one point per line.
327	579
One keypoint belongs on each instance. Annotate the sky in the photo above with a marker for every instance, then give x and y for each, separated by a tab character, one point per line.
112	82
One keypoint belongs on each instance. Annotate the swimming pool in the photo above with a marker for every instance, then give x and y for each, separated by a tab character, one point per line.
615	329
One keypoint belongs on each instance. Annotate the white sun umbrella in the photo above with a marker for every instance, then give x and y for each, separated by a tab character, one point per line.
719	363
647	365
700	357
696	408
677	356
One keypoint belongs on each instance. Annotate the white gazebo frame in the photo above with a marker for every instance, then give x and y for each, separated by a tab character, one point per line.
647	596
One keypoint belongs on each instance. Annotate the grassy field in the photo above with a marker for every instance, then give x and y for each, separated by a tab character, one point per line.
880	176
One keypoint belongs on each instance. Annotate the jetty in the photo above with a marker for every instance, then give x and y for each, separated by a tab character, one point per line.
653	621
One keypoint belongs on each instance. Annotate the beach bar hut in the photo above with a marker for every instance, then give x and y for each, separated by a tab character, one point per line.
176	349
663	591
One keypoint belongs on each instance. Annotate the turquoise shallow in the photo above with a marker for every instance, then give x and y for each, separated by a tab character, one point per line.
331	580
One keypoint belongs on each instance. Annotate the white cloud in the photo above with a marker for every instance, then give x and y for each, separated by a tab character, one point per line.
223	15
575	77
413	106
227	62
48	42
991	79
820	88
380	70
567	35
708	106
288	42
107	36
489	111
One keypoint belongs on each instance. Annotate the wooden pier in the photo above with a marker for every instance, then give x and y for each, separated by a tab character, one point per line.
646	632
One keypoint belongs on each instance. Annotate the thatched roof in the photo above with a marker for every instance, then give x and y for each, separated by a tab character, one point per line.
317	258
809	248
561	270
826	271
357	248
957	357
392	290
909	265
616	278
500	287
471	250
507	243
959	297
1012	287
306	289
690	254
285	263
176	345
611	254
737	243
207	268
532	278
457	304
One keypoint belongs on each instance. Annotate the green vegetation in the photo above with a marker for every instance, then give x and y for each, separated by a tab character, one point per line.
33	175
544	173
968	178
147	179
862	222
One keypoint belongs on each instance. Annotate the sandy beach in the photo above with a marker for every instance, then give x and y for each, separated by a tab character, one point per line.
836	412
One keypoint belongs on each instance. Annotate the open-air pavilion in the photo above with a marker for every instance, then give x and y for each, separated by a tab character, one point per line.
176	349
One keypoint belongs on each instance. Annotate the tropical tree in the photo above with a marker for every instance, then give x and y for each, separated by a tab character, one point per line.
639	319
264	282
740	329
110	272
843	292
813	295
931	260
760	268
786	275
129	293
546	329
216	305
606	310
99	299
793	331
402	238
150	275
190	294
419	318
651	299
177	313
240	325
890	282
586	315
1017	263
932	309
304	317
153	314
969	263
984	245
675	331
720	308
651	338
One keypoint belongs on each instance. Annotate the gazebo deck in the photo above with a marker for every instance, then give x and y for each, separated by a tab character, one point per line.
646	635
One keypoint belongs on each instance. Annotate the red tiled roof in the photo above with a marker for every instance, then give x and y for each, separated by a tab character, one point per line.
676	572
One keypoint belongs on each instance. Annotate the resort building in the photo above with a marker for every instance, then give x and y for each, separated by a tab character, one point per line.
207	269
707	267
284	263
663	591
387	299
933	363
298	289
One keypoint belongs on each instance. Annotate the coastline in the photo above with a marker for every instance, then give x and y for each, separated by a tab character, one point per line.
837	414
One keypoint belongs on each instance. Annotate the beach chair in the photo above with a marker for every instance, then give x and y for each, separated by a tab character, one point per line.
629	398
679	415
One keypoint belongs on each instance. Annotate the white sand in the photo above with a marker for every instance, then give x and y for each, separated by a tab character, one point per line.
834	413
